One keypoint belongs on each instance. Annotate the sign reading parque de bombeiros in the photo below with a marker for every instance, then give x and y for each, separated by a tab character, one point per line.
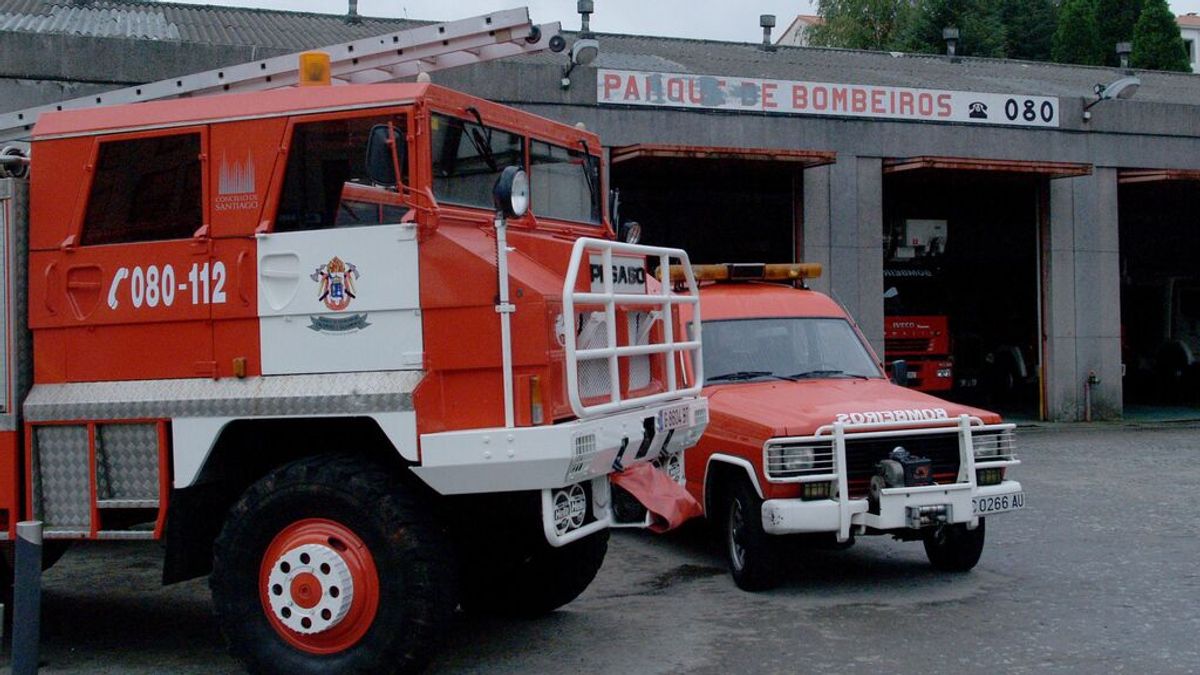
792	97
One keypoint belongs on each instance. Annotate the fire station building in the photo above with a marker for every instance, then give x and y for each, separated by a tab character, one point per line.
1043	216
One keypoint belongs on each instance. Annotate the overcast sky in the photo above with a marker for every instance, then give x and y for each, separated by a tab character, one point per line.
682	18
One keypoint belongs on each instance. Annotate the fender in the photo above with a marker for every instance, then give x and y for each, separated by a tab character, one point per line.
733	461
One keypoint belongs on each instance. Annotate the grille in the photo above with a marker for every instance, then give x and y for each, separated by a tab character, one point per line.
862	454
594	378
639	334
581	457
909	345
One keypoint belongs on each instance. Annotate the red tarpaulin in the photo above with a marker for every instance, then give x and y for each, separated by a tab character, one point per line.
669	503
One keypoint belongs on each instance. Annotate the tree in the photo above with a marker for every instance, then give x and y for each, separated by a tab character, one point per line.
1029	27
860	24
980	28
1115	20
1077	39
1157	44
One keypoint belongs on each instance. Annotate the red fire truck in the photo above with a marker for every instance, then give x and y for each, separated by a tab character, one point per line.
916	328
809	443
363	353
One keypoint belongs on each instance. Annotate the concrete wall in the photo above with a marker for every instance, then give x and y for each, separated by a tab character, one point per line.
1082	297
843	230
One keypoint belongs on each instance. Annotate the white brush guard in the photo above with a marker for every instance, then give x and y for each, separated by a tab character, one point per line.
662	305
899	506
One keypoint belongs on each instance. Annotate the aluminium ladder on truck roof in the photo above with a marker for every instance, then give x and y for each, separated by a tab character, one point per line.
382	58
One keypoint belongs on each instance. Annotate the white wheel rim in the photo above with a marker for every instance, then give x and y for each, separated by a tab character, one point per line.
310	589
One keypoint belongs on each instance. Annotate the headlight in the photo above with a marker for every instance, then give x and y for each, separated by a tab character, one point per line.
798	459
993	444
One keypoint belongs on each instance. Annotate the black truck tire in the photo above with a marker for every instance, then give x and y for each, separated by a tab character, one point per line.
535	582
754	559
954	548
328	565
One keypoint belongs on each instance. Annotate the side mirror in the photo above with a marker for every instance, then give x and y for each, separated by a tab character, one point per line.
900	372
381	163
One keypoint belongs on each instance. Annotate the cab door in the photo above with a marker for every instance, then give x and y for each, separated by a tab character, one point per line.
121	298
337	284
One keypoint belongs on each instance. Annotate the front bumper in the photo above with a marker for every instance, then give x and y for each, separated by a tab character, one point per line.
899	507
794	516
553	456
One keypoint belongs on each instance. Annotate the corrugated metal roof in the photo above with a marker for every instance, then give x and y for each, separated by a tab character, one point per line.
205	24
95	22
294	31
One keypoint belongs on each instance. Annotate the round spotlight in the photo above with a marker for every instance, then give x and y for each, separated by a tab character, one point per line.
511	193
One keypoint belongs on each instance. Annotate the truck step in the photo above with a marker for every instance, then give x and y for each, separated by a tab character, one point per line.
127	504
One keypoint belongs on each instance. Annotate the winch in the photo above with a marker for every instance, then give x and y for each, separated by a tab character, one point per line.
900	469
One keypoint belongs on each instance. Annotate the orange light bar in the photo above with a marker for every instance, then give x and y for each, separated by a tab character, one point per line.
750	271
314	69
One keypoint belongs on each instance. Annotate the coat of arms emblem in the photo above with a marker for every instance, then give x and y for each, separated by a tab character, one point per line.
336	283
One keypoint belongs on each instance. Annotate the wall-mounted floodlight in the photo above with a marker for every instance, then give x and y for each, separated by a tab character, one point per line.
586	47
1123	89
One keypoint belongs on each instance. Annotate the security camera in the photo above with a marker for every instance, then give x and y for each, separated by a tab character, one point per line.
557	44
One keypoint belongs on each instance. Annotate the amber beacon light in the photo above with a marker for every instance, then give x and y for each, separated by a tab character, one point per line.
314	69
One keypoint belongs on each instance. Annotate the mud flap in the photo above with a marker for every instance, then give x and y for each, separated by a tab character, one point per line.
669	504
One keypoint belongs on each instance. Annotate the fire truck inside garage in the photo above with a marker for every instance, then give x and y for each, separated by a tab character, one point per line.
1160	288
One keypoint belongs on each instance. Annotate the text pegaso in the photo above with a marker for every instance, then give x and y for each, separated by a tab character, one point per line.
877	416
152	286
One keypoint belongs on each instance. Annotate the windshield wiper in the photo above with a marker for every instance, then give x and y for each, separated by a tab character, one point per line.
482	143
823	373
587	171
741	375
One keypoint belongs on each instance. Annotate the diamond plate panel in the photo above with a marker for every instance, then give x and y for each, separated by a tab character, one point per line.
271	396
62	489
127	461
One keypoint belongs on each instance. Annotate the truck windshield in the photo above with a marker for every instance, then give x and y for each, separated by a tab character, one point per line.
468	158
915	289
788	348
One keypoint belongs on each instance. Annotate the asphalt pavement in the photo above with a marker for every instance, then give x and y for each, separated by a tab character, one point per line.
1099	573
